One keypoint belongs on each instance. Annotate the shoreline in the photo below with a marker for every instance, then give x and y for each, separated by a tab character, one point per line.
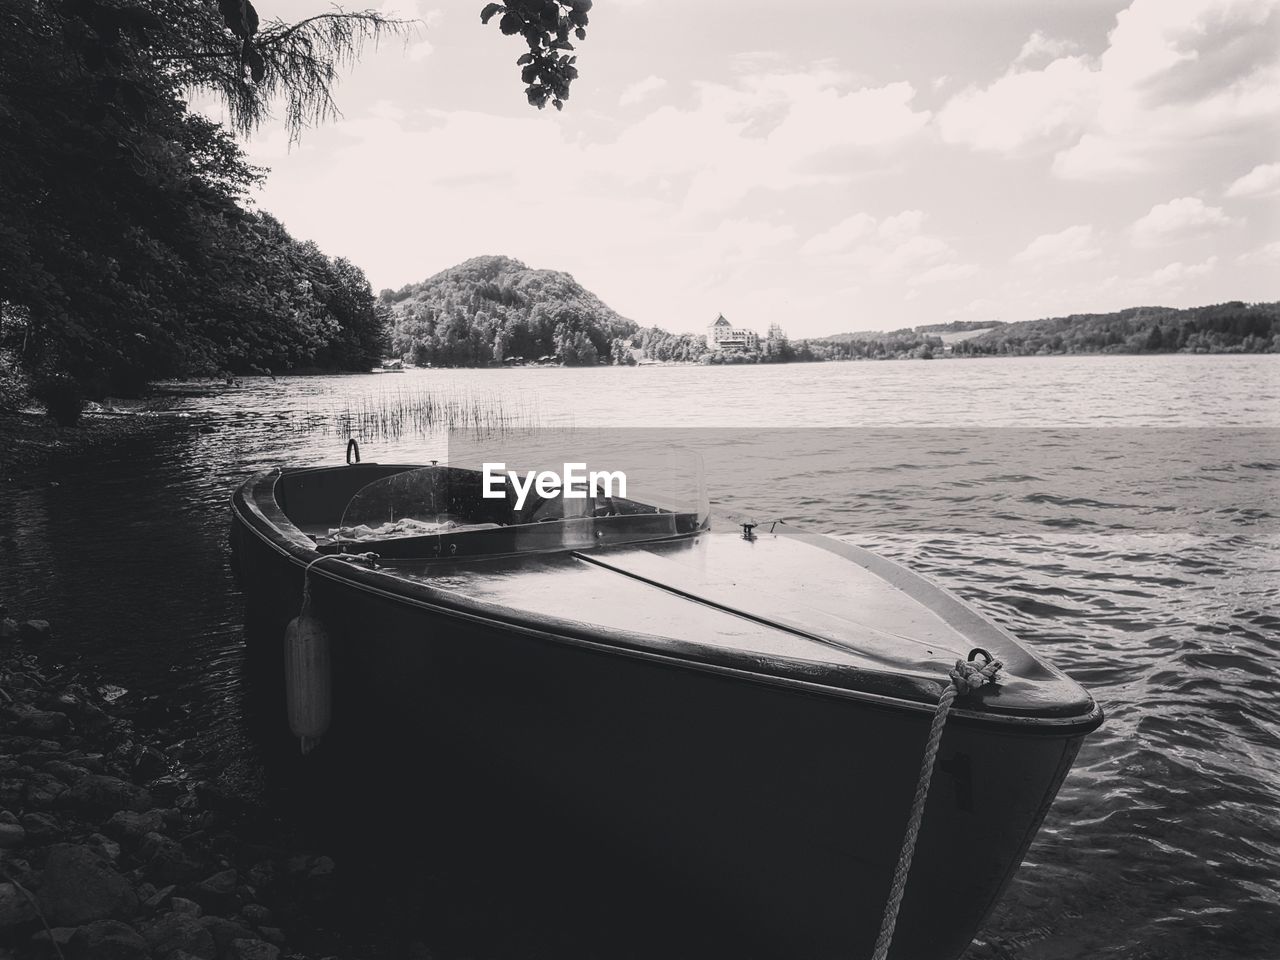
31	442
110	845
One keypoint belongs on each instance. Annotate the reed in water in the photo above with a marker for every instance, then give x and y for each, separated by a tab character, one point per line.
423	412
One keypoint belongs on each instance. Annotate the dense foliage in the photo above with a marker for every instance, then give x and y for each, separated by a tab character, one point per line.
127	250
492	310
655	343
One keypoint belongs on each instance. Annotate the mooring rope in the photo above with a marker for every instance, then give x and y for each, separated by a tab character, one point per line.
966	677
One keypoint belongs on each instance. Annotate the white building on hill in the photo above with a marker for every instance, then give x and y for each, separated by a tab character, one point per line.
721	335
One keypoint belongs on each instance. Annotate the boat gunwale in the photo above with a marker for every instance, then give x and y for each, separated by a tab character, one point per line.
270	524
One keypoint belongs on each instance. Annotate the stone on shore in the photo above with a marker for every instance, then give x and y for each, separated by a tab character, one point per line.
225	931
253	950
78	887
189	907
158	898
53	943
217	893
44	790
66	772
181	931
30	722
166	861
105	847
12	834
256	913
130	826
41	827
149	764
34	630
102	793
15	908
321	879
166	789
108	940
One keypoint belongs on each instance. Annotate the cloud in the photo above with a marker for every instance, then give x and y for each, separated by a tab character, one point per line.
419	51
1174	284
1172	279
638	206
1174	274
1024	107
1180	219
982	305
640	90
902	226
1072	245
772	130
1170	282
894	248
1177	77
841	237
946	271
745	239
1040	45
1266	254
1262	181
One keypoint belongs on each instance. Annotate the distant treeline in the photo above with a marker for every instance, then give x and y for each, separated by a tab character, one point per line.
1234	327
899	345
495	310
492	310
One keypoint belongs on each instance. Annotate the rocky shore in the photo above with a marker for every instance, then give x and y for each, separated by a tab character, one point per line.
110	849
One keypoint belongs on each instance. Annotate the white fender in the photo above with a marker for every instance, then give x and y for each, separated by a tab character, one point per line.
308	680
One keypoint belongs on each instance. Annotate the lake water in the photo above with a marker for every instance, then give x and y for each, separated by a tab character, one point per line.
1119	514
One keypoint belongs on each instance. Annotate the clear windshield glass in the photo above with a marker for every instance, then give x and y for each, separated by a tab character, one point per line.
535	494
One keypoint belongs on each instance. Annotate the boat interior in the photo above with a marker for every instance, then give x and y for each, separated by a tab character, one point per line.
439	511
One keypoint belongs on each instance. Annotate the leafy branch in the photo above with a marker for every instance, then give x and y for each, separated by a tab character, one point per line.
547	69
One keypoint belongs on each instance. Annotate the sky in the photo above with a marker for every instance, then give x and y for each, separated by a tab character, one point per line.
828	165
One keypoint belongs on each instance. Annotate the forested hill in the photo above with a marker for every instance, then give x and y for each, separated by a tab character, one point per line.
488	310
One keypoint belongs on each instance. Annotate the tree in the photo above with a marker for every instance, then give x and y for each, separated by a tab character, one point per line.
126	251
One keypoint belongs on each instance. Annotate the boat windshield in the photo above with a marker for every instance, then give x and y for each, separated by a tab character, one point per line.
495	507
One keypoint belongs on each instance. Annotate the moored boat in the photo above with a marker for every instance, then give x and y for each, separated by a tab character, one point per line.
743	711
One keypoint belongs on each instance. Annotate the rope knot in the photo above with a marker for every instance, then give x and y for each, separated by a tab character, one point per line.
968	676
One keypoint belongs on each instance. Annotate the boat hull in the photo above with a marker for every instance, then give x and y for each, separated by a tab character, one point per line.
780	805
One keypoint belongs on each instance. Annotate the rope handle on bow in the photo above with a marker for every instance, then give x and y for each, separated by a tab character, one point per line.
964	678
366	558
